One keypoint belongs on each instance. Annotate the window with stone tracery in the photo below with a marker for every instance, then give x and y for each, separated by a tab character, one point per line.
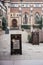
25	18
37	17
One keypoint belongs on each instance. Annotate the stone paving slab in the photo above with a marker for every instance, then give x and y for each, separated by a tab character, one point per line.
22	62
29	52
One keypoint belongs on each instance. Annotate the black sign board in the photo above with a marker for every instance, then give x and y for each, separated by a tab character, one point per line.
16	47
35	38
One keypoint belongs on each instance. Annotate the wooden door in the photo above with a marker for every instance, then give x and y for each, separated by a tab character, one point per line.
14	23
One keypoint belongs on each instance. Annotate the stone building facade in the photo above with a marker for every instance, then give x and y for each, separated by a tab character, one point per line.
3	12
19	13
23	11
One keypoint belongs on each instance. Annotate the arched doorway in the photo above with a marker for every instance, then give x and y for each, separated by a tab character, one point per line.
14	23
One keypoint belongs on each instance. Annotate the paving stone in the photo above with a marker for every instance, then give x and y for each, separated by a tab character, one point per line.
29	51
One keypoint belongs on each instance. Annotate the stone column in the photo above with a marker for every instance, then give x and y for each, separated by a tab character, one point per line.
31	14
20	12
31	23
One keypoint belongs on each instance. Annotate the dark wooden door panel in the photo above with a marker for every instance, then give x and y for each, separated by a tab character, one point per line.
35	38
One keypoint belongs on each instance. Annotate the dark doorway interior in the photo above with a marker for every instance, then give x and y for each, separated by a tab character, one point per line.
14	23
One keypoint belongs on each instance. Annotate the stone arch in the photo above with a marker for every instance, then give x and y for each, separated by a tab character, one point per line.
37	13
14	23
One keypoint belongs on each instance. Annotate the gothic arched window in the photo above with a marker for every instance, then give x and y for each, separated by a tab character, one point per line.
37	17
25	18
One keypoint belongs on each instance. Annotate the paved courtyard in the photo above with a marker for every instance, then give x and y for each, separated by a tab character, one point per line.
22	62
29	52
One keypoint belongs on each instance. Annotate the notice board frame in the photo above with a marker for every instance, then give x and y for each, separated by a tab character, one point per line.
16	51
